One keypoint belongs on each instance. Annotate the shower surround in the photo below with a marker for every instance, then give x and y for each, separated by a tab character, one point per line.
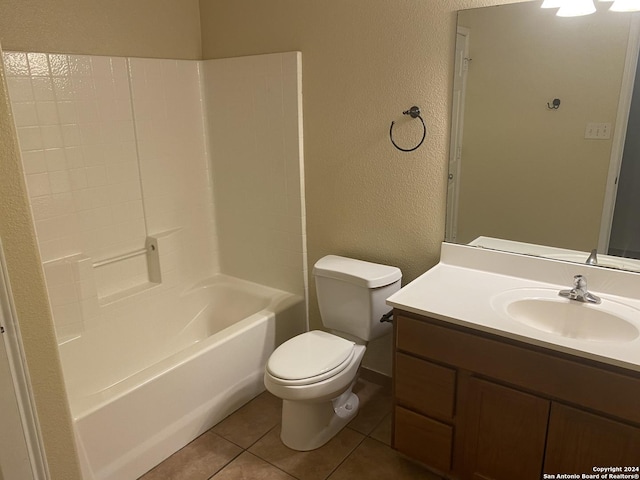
125	160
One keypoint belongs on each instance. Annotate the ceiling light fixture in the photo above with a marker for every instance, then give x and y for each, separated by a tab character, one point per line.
576	8
552	3
625	6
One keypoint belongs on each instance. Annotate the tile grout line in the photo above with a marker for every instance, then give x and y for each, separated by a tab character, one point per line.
246	450
350	453
243	449
264	459
226	464
364	437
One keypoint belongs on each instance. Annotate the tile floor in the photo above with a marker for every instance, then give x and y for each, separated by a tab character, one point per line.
246	445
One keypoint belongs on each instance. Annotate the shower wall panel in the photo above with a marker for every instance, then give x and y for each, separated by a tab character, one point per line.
176	181
75	126
114	151
254	105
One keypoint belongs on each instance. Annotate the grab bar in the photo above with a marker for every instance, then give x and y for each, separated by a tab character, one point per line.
125	256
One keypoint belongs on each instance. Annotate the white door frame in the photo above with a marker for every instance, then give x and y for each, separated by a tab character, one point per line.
22	413
457	120
620	133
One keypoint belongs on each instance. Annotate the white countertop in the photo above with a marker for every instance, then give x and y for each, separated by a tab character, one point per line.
460	289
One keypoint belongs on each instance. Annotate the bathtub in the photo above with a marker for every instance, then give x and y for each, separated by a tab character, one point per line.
151	377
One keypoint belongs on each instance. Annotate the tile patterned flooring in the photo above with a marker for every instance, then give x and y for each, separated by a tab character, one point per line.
247	445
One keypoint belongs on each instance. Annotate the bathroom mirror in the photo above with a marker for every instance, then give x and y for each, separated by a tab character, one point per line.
540	110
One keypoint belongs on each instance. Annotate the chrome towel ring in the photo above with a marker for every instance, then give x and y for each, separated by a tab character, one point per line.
414	112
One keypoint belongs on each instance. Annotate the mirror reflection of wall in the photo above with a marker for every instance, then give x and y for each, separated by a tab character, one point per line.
527	172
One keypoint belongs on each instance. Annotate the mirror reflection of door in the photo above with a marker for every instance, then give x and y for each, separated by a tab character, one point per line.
457	121
624	240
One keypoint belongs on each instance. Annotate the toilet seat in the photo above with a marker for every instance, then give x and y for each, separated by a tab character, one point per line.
309	358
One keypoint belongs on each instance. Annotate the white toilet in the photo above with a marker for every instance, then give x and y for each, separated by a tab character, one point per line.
314	372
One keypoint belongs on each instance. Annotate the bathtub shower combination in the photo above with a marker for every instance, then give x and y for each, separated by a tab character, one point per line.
166	309
205	363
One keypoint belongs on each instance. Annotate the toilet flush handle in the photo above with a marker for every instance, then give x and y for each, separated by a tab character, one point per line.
387	317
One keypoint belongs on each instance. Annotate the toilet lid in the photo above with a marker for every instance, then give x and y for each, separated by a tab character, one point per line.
309	355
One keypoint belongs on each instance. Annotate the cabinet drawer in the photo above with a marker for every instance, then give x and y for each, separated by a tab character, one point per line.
426	440
416	336
425	387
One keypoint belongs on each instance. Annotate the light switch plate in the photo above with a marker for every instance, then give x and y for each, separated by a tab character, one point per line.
598	131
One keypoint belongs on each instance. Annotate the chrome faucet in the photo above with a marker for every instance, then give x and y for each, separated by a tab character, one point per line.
593	258
579	291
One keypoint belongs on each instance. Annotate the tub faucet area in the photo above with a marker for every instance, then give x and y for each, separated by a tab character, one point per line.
579	291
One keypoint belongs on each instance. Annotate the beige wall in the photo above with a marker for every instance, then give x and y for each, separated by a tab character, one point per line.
525	166
138	28
364	62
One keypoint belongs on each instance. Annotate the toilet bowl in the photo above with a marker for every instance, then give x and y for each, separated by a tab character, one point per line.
317	397
314	373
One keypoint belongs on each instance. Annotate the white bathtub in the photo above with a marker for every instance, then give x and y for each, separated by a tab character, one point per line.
142	386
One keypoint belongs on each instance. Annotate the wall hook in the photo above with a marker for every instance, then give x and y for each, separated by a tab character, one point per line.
413	112
555	105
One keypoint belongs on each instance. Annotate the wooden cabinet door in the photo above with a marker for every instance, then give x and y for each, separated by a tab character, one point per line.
578	441
505	433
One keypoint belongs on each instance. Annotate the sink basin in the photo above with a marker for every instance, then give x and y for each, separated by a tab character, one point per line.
543	310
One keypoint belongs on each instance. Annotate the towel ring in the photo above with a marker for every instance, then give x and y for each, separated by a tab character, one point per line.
414	112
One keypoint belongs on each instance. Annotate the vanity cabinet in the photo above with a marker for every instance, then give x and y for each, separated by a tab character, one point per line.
477	406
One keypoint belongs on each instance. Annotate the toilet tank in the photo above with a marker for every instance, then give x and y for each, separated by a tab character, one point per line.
352	294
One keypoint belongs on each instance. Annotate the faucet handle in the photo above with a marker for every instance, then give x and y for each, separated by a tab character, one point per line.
579	291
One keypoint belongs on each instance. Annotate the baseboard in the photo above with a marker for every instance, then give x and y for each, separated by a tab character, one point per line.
375	377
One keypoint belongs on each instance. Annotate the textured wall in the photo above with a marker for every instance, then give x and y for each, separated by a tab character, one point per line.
32	306
364	62
140	28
